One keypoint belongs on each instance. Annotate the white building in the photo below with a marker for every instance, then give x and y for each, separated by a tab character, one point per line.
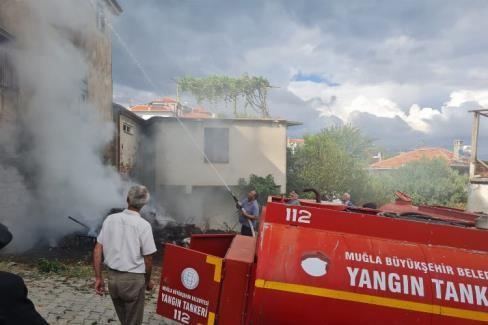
189	185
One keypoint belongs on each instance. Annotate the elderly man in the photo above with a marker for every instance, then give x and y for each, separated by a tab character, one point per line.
249	213
127	244
15	307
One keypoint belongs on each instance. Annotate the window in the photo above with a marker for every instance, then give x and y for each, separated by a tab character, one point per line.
127	128
217	144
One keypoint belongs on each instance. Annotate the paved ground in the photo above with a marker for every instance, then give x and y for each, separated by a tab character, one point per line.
71	300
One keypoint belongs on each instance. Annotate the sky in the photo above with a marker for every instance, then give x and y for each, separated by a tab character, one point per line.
405	72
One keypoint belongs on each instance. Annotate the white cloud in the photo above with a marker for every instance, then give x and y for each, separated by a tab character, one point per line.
347	100
461	97
414	64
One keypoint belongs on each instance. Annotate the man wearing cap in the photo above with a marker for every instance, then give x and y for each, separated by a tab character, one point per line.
15	307
126	241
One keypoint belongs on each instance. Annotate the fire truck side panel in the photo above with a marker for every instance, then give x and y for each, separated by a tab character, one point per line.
376	226
236	283
190	286
312	276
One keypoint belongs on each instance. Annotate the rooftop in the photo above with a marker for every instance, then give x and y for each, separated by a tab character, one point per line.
155	119
430	153
198	112
165	104
297	141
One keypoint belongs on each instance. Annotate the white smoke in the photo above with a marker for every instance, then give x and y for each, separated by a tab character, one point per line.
57	165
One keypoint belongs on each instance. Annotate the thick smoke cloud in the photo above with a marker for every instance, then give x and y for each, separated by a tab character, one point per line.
52	163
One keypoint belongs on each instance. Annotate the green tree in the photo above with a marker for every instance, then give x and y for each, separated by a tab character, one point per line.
332	161
336	160
265	186
429	181
352	140
250	89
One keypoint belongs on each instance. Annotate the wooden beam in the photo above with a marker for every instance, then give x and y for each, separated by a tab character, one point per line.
482	163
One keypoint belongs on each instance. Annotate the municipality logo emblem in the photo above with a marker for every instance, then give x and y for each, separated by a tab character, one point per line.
190	278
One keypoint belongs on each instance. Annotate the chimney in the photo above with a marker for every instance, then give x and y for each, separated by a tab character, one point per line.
458	145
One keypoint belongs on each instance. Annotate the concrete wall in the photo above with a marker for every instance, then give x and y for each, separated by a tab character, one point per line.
189	188
129	143
255	147
478	197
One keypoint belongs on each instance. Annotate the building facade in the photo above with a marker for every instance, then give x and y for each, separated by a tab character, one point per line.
191	161
128	141
95	42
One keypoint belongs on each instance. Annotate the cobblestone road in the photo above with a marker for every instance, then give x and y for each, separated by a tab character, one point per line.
62	300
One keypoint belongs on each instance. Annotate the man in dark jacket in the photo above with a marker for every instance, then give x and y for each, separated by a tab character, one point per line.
15	307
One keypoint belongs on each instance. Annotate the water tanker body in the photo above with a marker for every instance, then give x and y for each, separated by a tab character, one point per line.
325	264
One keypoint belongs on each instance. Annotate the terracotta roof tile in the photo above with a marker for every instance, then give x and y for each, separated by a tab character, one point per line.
297	141
164	100
406	157
150	108
197	112
139	108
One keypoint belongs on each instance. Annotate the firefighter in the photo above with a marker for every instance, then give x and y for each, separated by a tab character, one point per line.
249	213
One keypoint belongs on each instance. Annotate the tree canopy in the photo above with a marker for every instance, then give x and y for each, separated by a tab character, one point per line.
251	90
429	181
332	161
265	186
336	160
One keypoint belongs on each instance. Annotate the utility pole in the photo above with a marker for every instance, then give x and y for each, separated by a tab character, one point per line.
178	98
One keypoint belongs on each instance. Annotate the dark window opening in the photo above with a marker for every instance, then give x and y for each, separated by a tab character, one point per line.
127	128
217	145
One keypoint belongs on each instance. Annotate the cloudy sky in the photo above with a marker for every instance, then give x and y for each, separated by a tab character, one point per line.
405	72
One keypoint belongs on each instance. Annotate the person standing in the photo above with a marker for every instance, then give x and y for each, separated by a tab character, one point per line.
15	307
346	200
293	195
249	213
126	241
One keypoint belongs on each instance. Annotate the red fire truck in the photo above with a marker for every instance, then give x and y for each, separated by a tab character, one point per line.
320	263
